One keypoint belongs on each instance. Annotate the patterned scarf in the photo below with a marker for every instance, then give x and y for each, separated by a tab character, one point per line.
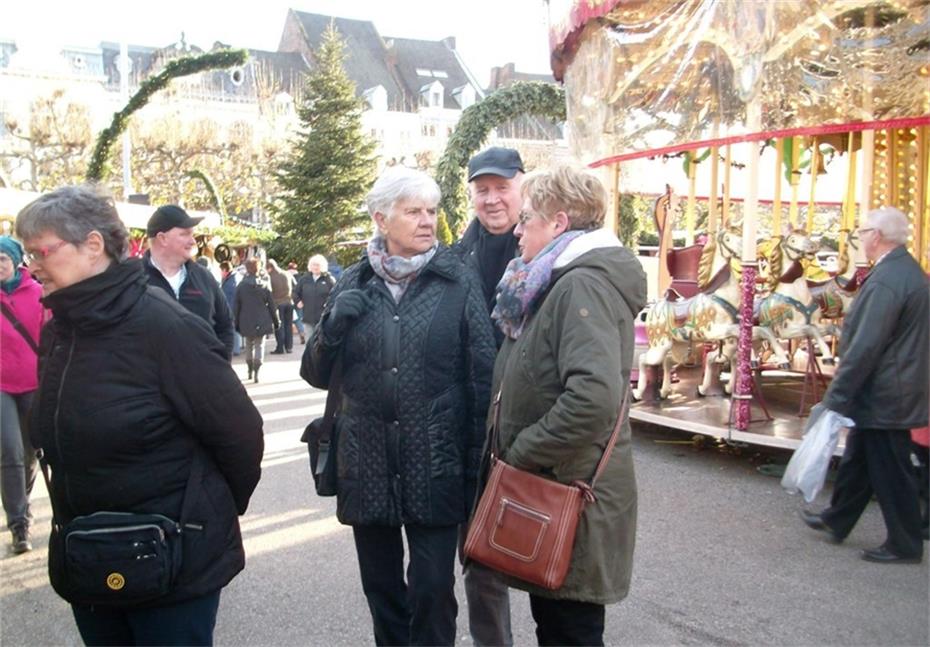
398	272
523	283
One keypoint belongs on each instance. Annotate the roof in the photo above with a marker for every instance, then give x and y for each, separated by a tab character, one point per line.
366	61
403	66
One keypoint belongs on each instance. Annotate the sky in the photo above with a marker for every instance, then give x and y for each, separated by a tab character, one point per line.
488	32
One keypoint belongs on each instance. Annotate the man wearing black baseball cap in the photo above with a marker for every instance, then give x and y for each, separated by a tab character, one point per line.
169	265
488	245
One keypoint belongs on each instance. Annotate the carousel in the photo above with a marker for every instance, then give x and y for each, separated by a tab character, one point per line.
791	120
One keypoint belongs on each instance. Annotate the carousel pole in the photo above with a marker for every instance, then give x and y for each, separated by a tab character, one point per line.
727	164
795	181
923	197
865	194
815	163
743	391
849	204
776	201
692	199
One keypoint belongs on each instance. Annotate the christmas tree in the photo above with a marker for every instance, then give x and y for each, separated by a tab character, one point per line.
331	167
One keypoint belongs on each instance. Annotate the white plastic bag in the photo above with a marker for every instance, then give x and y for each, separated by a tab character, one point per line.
807	469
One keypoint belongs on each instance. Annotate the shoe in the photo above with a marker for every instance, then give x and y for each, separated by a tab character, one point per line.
21	543
882	555
277	351
815	521
288	350
303	340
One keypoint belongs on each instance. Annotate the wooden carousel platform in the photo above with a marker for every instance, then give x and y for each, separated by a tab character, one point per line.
783	391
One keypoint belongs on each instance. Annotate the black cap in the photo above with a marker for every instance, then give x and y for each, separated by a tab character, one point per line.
495	161
168	217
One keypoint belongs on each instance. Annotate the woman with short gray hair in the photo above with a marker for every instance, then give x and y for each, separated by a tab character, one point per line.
148	432
407	328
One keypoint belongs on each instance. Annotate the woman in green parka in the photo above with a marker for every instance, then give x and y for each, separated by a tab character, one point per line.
567	306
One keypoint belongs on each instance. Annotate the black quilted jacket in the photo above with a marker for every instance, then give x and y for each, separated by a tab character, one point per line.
416	378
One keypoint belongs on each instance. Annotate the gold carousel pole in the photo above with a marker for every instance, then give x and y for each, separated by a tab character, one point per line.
776	201
728	158
849	206
692	197
923	197
795	181
815	163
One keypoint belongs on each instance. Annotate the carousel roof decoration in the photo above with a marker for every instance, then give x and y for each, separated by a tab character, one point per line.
663	75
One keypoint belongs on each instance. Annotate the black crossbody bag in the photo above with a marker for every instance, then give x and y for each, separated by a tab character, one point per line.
322	436
117	559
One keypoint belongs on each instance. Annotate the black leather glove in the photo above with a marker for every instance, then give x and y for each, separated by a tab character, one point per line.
348	306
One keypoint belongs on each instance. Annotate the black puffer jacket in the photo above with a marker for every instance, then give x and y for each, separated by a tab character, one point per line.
201	294
313	293
416	379
135	394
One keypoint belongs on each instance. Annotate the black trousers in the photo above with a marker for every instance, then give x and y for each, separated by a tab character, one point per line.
186	623
878	460
284	335
422	609
567	622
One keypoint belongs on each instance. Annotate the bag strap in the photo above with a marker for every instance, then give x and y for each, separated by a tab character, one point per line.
333	398
20	328
586	486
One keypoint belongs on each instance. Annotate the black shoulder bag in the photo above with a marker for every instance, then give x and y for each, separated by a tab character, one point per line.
322	435
117	559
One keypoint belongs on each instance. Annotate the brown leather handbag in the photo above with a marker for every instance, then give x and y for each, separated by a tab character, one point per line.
525	524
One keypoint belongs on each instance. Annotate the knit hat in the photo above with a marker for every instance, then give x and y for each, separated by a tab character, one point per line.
12	248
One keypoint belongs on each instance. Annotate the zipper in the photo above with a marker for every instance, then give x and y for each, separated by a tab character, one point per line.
111	531
61	386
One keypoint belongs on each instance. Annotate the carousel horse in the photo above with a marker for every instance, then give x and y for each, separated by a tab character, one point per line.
674	323
835	296
790	310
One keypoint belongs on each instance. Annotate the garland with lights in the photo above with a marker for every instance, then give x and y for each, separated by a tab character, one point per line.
525	98
98	167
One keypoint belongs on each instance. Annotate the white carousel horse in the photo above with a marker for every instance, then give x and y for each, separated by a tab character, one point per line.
673	324
790	311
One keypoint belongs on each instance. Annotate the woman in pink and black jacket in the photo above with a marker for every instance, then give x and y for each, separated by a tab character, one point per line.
19	335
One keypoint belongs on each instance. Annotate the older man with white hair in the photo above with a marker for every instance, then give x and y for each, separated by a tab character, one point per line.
882	385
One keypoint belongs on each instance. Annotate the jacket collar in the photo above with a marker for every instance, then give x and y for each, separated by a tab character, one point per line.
100	301
443	263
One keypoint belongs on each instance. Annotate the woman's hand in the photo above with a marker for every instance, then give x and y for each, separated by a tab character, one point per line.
348	306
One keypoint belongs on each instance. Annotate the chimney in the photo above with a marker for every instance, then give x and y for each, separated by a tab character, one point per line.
449	41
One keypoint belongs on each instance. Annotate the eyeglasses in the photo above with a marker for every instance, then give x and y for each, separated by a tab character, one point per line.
42	253
525	217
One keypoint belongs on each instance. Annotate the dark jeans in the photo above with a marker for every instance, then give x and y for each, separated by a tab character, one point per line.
186	623
879	461
284	335
567	622
422	610
17	458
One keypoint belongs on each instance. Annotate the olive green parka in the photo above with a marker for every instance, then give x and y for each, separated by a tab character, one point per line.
561	383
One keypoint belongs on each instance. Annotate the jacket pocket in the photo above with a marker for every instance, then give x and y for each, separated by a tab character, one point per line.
444	430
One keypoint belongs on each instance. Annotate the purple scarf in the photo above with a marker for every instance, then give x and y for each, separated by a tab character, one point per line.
523	283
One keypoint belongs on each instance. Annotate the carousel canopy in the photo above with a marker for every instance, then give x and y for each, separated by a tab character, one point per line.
647	76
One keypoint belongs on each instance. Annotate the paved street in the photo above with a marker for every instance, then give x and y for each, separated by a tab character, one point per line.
721	558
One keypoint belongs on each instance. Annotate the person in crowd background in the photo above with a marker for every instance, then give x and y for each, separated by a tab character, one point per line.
488	245
169	266
566	306
23	316
408	327
230	281
312	291
255	315
282	291
881	384
298	307
137	411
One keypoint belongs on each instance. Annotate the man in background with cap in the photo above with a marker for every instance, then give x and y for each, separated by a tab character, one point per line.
169	265
488	245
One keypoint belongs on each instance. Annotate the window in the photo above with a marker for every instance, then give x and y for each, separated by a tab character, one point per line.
439	74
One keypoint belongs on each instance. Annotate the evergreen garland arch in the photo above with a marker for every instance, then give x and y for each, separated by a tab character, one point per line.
197	174
97	169
476	123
